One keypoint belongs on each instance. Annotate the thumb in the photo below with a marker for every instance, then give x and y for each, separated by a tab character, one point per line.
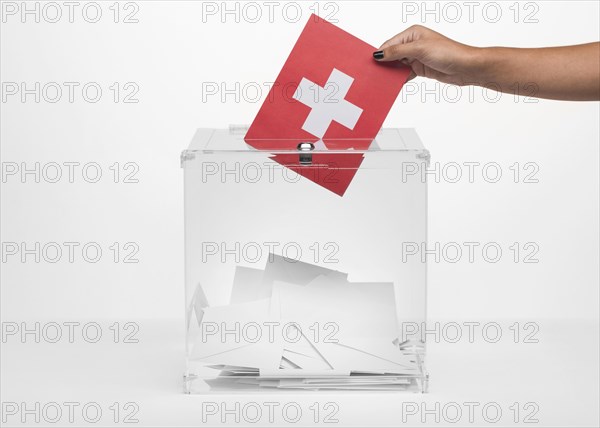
400	51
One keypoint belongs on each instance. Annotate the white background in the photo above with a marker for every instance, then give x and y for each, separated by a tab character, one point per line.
171	54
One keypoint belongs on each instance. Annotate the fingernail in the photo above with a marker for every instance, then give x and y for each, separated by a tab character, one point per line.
378	55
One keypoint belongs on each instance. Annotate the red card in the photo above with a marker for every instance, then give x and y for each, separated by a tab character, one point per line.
330	89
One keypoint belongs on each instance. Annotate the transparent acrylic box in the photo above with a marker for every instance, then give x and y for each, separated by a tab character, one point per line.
290	286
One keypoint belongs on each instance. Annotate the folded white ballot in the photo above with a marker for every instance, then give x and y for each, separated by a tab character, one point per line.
234	335
298	325
353	309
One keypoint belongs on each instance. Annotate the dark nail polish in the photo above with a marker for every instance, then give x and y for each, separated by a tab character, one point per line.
378	55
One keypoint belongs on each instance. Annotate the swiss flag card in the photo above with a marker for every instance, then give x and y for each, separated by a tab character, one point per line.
332	93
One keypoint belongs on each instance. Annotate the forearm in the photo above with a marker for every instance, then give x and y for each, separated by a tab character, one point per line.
561	73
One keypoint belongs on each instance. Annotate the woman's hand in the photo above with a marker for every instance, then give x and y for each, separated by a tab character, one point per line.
561	73
429	54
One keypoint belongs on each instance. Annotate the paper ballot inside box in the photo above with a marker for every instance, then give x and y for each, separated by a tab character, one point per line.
293	322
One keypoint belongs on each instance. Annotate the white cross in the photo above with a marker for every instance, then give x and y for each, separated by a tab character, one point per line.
327	103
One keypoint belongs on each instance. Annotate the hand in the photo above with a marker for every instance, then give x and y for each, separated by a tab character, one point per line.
429	54
559	73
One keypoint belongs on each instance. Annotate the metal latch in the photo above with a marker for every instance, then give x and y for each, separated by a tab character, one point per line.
305	155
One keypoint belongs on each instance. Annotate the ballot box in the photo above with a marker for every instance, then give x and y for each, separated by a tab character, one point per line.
303	266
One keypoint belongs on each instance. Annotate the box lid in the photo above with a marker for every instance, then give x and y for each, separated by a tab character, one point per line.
232	139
